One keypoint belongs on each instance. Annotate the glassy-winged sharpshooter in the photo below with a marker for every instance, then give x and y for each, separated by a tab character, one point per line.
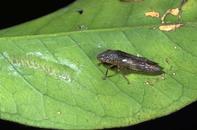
125	61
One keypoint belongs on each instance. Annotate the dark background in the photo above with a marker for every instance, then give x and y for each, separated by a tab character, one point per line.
15	13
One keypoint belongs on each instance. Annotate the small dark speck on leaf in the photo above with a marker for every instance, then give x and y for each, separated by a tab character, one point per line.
80	11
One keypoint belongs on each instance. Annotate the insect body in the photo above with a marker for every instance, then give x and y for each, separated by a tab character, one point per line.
125	61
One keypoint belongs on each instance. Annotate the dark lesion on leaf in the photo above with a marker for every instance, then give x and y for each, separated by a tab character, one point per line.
80	11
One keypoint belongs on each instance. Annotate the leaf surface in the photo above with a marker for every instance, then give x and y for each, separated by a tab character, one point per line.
50	75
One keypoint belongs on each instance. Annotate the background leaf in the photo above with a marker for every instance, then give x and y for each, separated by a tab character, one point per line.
50	77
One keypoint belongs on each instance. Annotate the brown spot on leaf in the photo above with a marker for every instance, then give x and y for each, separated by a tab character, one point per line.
169	27
174	12
152	14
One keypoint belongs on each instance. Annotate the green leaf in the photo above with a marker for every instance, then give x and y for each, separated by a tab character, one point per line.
49	75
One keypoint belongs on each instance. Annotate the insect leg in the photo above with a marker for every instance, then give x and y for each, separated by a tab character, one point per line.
104	78
118	68
107	71
126	79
